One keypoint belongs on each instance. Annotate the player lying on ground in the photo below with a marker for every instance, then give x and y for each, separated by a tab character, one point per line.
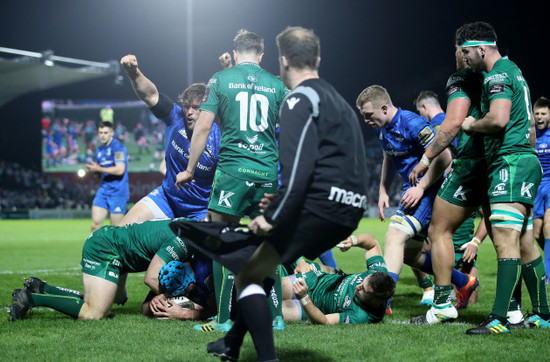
324	298
108	255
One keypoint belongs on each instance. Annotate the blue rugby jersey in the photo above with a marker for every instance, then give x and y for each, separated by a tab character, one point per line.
108	156
177	157
404	139
543	151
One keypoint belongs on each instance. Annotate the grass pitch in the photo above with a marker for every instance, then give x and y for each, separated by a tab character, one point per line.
51	249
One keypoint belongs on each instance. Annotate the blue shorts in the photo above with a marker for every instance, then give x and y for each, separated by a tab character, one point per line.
113	204
542	200
163	208
423	211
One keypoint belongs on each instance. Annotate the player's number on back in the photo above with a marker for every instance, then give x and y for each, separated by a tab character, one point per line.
249	111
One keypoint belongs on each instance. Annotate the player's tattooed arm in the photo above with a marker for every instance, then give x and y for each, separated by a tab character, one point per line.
441	141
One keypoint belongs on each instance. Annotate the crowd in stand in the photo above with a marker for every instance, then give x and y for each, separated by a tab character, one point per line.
22	189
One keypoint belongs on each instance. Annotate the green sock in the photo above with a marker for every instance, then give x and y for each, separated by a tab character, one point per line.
67	305
50	289
515	301
533	274
275	298
508	273
442	294
425	283
223	288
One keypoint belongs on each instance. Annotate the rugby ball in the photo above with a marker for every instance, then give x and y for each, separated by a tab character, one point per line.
182	301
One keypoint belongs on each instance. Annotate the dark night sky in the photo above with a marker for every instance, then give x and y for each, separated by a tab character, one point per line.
405	46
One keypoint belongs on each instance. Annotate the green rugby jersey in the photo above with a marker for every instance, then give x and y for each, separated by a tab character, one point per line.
334	293
246	99
505	81
137	244
467	84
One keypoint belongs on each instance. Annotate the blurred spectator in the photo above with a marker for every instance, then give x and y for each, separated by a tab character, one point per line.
107	114
22	189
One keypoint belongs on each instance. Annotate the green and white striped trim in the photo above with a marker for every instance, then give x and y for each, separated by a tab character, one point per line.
475	43
505	216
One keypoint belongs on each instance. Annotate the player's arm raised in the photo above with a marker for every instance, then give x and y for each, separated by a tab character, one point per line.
144	88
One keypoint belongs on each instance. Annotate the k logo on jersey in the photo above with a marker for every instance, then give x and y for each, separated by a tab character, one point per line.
225	198
526	189
460	194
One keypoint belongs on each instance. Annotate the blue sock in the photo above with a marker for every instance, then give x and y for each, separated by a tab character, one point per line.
427	267
547	257
395	277
457	278
327	258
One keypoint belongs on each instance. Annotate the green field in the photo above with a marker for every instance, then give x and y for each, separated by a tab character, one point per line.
51	249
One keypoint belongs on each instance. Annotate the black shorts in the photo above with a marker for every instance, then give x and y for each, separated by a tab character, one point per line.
308	235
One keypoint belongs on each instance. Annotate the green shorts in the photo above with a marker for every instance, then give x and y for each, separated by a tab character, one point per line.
99	259
514	178
459	263
464	186
238	197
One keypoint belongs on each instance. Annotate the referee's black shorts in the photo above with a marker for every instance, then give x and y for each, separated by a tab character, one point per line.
307	235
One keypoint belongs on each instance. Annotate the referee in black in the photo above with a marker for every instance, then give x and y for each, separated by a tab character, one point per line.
323	193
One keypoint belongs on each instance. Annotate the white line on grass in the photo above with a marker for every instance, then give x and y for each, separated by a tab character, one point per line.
393	321
39	271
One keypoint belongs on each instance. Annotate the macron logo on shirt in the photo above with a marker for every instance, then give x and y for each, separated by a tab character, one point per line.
292	102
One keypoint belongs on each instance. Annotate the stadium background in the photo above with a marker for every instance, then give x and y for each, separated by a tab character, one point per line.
405	46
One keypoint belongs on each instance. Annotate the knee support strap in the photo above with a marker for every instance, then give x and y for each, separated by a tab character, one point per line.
506	216
406	223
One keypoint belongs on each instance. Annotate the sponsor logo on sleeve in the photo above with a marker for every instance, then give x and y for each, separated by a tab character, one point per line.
496	88
425	136
455	88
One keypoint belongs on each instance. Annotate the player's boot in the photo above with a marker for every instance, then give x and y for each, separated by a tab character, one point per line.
515	319
220	349
535	321
278	324
491	325
21	304
437	314
463	294
34	284
427	297
213	326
